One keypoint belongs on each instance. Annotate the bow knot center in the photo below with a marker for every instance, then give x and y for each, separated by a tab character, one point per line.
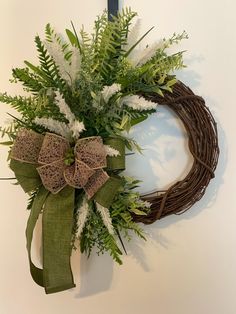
69	157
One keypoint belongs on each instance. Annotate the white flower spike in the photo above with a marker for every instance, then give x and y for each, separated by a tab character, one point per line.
138	103
55	126
75	125
112	152
109	91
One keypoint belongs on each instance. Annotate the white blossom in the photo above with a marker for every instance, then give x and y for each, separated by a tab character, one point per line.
83	214
141	56
64	108
109	91
68	69
112	152
149	52
76	128
138	103
106	218
74	125
133	35
144	204
55	51
54	126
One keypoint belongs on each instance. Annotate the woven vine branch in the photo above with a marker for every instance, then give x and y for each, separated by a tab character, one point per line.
201	129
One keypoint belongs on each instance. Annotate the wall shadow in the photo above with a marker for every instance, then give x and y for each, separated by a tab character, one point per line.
95	275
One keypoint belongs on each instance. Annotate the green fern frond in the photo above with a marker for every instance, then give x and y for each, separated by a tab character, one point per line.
52	36
29	80
25	105
9	131
109	38
126	203
48	66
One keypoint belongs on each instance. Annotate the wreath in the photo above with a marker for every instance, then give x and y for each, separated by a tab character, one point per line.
68	146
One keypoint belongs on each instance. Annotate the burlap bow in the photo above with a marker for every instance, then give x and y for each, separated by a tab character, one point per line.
51	151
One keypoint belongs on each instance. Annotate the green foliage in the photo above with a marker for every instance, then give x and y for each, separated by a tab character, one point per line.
130	118
108	40
32	107
52	36
95	234
29	80
38	79
49	68
104	61
127	203
9	131
175	39
24	105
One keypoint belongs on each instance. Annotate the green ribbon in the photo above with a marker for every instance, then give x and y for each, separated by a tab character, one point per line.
108	191
58	209
26	174
57	220
36	273
116	163
57	230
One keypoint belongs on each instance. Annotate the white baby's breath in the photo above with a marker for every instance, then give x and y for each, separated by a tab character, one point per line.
109	91
138	103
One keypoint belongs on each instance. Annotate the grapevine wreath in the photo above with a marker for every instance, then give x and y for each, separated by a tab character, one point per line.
68	146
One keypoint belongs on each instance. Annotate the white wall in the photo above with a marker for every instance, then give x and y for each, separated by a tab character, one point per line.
188	265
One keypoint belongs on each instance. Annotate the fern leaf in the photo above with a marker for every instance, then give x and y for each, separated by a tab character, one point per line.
29	80
25	105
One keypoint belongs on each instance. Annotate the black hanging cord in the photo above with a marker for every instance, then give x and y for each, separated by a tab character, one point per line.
113	8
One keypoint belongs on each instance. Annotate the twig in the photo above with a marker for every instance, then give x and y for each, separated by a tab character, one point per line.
121	241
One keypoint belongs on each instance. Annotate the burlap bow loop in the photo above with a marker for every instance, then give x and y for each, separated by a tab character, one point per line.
50	153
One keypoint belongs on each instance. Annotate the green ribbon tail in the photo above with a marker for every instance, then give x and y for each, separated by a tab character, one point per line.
36	273
58	215
58	211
